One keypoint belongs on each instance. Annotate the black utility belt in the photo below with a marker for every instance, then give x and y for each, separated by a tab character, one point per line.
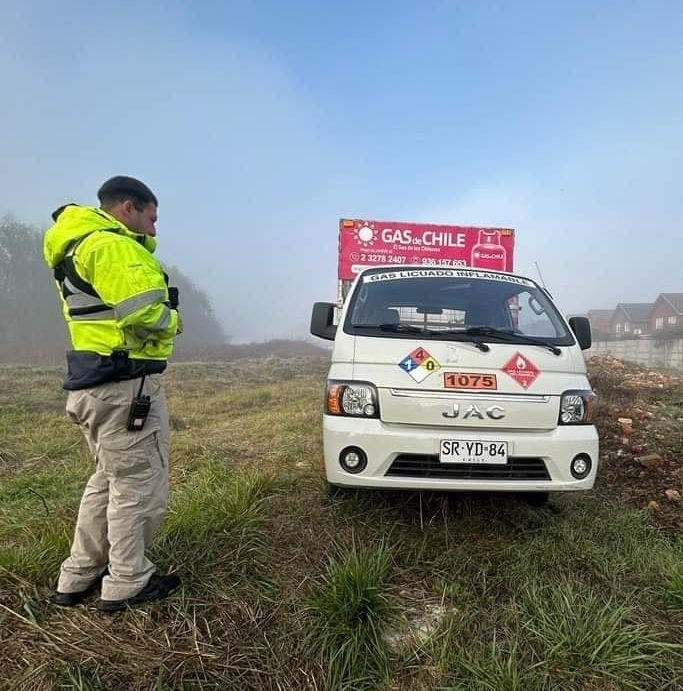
126	368
86	369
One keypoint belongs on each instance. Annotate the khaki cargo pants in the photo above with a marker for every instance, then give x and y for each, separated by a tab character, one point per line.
125	499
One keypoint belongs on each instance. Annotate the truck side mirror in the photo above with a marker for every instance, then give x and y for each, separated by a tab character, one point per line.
582	330
322	320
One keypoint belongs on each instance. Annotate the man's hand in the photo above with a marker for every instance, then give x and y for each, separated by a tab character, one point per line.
173	297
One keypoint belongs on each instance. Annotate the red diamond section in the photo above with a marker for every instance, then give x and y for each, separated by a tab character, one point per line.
522	370
419	355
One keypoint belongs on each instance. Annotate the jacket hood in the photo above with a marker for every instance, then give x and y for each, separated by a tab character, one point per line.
73	222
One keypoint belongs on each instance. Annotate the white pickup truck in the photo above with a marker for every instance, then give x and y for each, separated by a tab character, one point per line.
456	379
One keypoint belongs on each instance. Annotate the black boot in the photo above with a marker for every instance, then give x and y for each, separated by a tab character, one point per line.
157	588
73	599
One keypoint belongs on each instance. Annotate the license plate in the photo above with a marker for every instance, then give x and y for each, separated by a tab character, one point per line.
461	451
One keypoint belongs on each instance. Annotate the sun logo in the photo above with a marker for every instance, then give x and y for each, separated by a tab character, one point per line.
365	235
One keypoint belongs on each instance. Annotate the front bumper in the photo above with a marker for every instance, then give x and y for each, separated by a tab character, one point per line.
407	457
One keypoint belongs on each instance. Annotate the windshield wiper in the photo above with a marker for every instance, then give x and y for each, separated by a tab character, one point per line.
406	328
511	337
410	328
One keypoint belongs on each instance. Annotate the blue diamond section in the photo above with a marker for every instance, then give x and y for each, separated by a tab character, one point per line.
408	364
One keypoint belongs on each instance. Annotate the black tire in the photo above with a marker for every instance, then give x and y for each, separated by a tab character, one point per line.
536	499
337	491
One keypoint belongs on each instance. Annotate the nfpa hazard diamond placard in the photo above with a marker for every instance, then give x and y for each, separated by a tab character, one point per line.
522	370
419	364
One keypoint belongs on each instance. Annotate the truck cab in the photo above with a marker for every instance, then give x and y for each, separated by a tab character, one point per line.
455	379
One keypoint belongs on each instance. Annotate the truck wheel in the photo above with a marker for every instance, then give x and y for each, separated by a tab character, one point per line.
337	491
535	498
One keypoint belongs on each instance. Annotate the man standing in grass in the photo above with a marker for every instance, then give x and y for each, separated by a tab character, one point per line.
122	319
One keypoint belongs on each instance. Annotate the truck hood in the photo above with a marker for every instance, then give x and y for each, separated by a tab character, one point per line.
454	384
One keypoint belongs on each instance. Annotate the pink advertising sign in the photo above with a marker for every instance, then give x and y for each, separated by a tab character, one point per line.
364	243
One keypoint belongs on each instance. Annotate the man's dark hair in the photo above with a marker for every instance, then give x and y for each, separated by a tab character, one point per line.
121	188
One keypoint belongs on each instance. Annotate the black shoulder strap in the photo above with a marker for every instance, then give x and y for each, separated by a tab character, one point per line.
66	269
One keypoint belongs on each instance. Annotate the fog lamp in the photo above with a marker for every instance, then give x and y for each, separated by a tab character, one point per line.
581	466
353	460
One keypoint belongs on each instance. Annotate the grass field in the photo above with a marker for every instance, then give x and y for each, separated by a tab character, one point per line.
288	589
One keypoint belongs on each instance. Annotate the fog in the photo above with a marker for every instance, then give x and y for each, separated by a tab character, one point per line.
260	124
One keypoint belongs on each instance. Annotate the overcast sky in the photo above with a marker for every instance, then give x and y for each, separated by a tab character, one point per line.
260	123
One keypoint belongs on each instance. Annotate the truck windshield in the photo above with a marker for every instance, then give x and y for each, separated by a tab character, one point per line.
456	304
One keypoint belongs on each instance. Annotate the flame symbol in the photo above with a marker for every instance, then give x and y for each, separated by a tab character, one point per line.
521	363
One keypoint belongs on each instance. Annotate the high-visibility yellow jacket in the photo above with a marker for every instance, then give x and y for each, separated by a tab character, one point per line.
114	297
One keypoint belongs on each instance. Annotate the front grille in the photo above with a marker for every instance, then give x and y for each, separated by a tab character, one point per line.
424	466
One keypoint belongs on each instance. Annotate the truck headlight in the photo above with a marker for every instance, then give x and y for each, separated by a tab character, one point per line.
576	407
352	398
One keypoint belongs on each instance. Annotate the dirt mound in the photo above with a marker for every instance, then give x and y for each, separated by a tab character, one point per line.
639	416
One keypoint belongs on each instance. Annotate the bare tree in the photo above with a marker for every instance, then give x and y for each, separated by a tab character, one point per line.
31	324
30	318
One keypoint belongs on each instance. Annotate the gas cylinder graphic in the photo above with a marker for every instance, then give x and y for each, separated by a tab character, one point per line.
488	253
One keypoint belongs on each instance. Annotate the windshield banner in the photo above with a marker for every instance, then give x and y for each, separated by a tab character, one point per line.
402	274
